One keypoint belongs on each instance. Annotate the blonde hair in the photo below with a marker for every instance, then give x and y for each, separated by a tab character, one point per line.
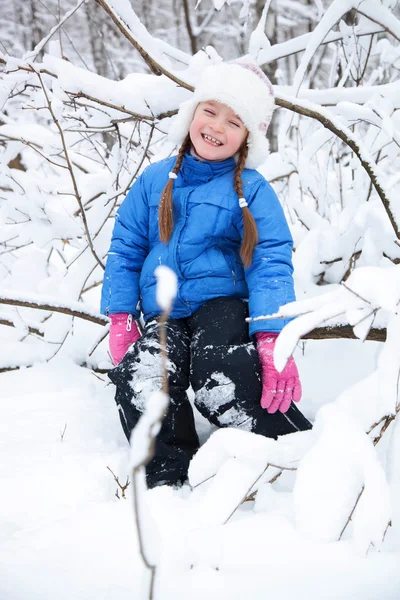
165	220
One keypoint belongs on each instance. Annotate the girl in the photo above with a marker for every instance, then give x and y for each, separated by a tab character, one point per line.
209	216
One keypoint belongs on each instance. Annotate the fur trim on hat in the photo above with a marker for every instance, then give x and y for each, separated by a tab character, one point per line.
246	90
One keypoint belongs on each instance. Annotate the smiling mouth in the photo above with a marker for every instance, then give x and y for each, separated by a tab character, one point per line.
211	140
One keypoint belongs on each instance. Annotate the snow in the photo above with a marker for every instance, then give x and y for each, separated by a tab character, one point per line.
60	432
167	286
331	477
147	428
138	93
258	40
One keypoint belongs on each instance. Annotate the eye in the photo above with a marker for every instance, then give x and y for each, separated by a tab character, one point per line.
234	123
209	111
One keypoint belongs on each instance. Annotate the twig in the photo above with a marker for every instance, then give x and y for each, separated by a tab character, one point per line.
352	512
381	23
10	323
386	530
81	364
62	433
204	481
252	496
355	293
255	482
136	472
70	169
98	342
121	487
386	420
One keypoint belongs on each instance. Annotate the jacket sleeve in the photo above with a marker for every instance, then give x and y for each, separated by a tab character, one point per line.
128	250
270	275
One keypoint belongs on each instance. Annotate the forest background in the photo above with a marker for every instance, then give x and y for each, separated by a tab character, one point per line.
88	91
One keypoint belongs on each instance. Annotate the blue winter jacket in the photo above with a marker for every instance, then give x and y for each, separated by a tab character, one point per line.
204	247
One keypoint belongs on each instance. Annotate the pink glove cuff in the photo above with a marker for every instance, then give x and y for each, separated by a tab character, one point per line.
123	333
119	318
266	336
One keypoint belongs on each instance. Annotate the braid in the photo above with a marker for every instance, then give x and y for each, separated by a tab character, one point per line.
250	234
165	219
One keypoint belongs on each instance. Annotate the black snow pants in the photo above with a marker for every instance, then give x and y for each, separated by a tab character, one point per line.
211	350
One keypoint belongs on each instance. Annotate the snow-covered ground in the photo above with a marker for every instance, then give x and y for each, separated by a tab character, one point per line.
64	533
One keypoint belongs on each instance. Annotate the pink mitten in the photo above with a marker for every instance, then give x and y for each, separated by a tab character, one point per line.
123	333
278	389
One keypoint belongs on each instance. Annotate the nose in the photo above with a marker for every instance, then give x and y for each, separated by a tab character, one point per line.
218	126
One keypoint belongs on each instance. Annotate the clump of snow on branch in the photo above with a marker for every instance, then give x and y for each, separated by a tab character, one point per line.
370	296
167	286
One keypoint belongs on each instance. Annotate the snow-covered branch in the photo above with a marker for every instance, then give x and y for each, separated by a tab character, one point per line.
127	22
32	55
329	121
72	309
299	43
144	434
332	16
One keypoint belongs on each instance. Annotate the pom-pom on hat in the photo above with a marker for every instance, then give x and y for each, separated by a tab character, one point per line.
246	90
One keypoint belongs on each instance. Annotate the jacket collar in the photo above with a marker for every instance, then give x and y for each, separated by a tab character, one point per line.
195	171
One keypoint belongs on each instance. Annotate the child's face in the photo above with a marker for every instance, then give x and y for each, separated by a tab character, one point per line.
216	132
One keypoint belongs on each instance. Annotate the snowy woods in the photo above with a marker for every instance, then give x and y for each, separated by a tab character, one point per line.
87	96
88	91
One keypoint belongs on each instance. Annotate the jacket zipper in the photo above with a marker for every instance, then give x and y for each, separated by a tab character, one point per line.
229	260
129	323
178	234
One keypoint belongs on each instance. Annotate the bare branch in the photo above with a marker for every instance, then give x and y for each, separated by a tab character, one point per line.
98	342
252	496
135	116
352	513
386	421
119	484
70	169
246	495
386	18
192	37
81	313
10	323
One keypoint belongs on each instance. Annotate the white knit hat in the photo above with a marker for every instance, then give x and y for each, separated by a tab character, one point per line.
246	90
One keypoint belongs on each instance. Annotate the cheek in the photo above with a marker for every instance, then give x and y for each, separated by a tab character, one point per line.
236	138
195	126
